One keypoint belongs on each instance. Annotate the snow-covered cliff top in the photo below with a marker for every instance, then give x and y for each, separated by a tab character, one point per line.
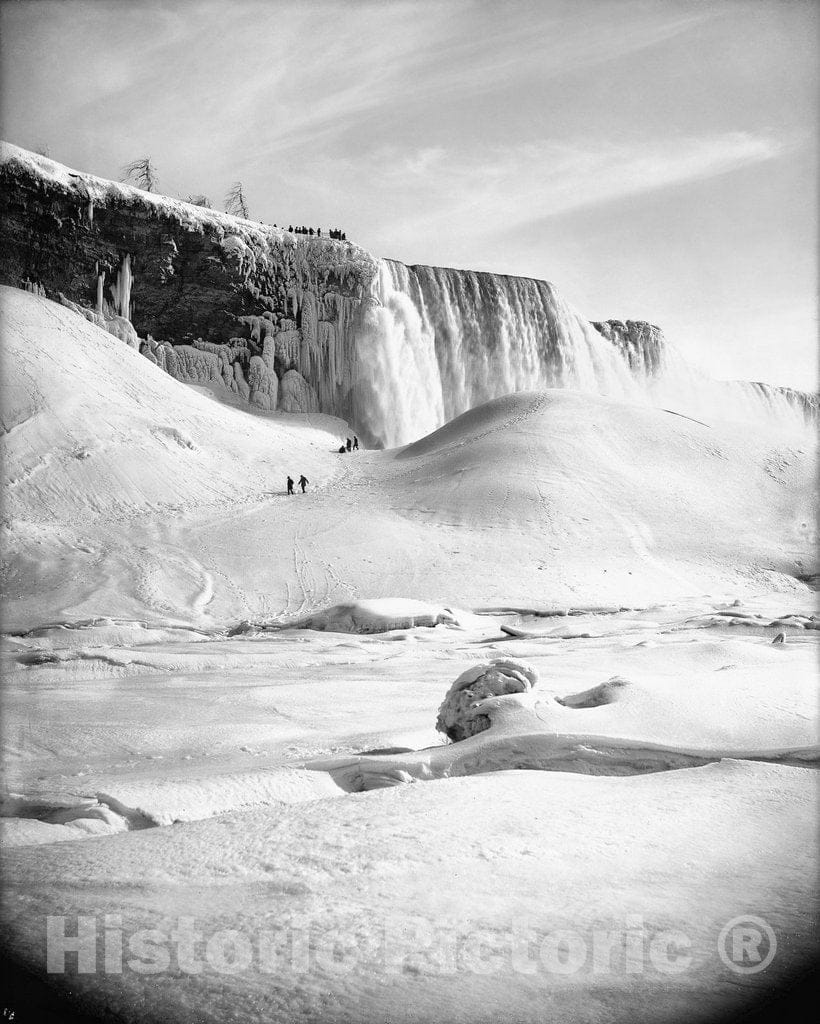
101	191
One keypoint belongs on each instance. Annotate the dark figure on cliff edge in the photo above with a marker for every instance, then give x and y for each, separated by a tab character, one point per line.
349	444
355	443
290	485
303	482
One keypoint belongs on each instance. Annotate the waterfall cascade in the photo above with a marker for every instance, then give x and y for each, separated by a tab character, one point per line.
436	342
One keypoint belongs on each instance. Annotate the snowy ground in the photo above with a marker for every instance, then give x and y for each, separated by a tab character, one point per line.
188	736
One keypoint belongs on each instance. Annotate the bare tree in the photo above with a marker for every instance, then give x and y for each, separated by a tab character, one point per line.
235	201
143	174
200	201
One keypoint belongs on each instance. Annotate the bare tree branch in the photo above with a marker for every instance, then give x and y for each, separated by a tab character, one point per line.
235	201
143	174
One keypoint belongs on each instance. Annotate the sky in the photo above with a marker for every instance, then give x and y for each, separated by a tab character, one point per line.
654	159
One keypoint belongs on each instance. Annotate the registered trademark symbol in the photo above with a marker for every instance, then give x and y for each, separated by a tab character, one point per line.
747	944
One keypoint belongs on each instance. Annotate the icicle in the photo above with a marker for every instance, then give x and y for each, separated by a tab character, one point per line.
121	290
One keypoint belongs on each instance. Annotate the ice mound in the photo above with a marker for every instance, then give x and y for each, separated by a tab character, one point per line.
378	616
496	678
24	822
596	696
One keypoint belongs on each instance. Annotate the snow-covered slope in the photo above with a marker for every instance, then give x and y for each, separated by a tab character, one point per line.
464	900
130	494
104	452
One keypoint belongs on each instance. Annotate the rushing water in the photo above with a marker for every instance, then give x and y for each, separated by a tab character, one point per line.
438	342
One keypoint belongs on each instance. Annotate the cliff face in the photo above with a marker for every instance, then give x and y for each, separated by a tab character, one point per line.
641	344
212	298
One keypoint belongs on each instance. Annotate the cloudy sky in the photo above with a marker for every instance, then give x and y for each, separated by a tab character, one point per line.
656	159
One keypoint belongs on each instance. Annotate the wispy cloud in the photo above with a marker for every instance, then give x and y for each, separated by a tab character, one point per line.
476	192
277	77
384	62
503	48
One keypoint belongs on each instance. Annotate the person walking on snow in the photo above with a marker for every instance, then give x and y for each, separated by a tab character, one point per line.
348	444
303	482
290	485
355	443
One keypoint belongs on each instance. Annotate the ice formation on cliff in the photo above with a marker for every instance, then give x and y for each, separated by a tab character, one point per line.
121	289
263	384
296	395
120	326
641	344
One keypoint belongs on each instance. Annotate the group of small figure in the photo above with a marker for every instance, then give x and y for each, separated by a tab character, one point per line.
333	233
303	482
348	446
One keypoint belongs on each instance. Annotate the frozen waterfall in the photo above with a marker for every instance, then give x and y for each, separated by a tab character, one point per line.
436	342
121	289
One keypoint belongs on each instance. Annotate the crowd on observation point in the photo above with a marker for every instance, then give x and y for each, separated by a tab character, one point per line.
333	233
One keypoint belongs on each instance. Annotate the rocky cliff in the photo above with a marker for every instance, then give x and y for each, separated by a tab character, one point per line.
212	298
642	345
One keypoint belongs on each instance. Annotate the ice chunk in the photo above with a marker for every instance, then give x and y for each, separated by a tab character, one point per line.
496	678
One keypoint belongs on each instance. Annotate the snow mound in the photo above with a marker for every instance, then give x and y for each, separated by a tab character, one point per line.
377	616
164	801
457	718
23	823
596	696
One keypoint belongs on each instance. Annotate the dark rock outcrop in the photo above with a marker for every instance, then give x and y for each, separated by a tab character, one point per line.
641	344
645	350
217	299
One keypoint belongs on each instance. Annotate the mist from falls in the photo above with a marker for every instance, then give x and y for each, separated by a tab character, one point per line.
683	388
437	342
